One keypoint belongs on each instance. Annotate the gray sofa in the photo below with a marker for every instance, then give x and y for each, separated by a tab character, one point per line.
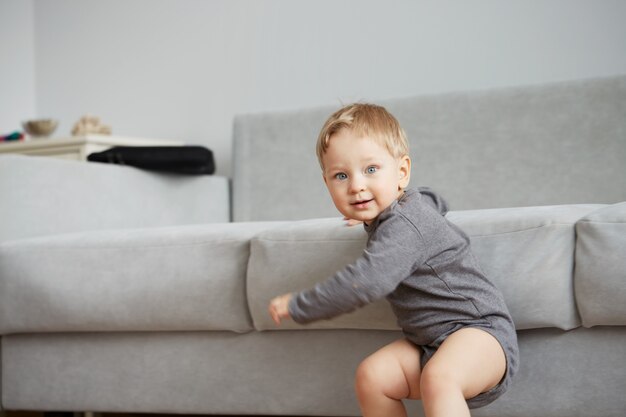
129	291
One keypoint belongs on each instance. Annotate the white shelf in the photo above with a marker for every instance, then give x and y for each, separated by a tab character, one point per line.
78	147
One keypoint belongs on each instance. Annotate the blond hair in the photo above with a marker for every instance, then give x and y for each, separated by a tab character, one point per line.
365	119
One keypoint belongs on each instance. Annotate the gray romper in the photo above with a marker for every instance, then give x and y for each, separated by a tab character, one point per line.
423	265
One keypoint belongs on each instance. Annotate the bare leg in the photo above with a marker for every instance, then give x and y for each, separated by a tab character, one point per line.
386	377
469	362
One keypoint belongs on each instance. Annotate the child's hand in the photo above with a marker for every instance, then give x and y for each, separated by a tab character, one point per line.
352	222
279	308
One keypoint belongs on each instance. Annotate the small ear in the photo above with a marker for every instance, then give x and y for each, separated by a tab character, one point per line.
404	172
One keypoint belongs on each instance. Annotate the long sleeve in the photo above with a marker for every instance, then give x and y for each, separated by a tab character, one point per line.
394	248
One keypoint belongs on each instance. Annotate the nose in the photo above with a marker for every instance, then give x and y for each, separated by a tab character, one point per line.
357	184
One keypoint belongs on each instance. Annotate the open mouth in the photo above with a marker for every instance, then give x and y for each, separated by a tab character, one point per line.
361	203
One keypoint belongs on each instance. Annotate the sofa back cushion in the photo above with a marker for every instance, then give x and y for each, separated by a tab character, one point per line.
527	252
553	144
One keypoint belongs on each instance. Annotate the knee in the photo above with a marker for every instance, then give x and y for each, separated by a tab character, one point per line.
377	376
366	378
437	381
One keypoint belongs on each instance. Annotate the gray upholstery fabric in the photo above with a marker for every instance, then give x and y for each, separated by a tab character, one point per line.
562	143
212	372
574	373
165	319
45	196
600	277
179	278
578	373
527	252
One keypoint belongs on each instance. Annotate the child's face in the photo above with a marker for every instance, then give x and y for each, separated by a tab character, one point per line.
363	178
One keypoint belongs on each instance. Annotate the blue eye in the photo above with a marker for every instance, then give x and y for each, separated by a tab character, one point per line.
341	176
371	170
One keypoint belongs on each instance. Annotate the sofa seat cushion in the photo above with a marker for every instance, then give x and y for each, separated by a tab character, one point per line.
181	278
527	252
600	278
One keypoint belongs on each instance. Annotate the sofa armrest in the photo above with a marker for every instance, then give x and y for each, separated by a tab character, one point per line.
183	278
600	278
44	196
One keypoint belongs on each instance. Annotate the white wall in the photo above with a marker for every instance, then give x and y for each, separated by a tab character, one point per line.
17	64
183	68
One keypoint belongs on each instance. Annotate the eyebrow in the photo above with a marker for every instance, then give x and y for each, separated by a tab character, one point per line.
334	168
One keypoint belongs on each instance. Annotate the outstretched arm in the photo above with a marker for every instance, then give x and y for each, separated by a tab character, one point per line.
390	256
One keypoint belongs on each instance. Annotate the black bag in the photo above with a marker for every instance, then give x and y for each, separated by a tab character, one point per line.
191	160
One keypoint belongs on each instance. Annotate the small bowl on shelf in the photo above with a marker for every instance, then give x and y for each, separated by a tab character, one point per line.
40	128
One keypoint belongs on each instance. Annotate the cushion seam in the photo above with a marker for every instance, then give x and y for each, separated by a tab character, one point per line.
50	248
359	240
590	221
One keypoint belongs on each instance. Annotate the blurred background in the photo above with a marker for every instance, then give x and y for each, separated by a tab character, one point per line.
181	69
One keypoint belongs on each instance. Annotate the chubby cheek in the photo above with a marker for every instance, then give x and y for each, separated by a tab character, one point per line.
332	190
341	203
336	196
